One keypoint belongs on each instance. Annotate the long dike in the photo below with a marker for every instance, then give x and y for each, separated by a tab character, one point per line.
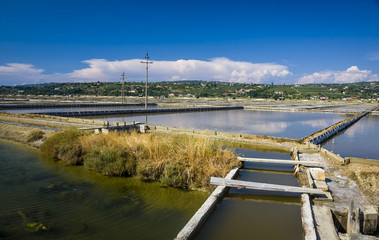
62	105
327	133
136	111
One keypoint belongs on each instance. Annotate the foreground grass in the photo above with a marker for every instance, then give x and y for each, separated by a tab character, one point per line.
176	160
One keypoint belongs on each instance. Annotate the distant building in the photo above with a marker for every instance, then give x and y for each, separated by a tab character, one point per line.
314	97
279	92
351	98
171	95
324	98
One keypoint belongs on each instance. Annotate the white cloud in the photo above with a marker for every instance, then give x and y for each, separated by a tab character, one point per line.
21	73
352	74
20	69
221	69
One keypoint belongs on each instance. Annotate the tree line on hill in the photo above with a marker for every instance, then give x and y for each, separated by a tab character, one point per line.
348	91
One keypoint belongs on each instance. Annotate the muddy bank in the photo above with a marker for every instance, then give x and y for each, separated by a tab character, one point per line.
28	136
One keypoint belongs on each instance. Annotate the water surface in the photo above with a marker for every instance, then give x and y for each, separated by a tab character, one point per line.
360	140
250	214
271	123
74	203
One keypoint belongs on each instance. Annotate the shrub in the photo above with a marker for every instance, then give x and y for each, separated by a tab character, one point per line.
173	175
111	162
35	135
64	146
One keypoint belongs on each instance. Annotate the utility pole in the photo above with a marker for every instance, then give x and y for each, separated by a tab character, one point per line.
147	62
123	90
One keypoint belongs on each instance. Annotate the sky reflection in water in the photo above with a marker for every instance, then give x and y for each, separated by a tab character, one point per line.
278	124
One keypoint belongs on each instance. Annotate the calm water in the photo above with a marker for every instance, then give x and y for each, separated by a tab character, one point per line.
76	204
278	124
360	140
249	214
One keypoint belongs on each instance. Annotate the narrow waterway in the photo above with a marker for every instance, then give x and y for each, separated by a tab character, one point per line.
360	140
278	124
250	214
74	203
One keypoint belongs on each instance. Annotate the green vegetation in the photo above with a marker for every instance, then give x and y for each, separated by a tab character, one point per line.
179	161
362	90
35	136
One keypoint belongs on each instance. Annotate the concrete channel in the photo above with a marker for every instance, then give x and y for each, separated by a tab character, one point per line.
196	222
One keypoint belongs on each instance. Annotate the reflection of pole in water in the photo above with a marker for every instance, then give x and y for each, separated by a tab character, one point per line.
146	119
333	145
122	87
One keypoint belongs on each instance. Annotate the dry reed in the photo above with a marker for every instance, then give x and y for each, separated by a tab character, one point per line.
176	160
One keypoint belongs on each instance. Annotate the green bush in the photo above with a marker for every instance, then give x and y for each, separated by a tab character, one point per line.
64	146
173	175
35	135
111	162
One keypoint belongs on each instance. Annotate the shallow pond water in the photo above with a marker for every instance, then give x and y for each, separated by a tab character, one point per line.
250	214
278	124
73	203
360	140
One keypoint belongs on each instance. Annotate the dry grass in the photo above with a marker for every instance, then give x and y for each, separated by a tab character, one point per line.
367	178
176	160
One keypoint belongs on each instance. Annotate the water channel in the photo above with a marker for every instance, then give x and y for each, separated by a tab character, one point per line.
250	214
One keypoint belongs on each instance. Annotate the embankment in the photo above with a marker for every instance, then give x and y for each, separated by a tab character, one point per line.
29	136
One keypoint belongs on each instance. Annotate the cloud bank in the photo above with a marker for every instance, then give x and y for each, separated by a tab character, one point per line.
217	69
352	74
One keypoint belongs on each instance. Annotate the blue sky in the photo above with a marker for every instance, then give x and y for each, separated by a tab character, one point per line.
241	41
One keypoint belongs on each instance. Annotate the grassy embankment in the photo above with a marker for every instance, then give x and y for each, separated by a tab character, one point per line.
179	161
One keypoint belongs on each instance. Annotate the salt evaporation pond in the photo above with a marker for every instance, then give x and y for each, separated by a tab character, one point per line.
360	140
250	214
271	123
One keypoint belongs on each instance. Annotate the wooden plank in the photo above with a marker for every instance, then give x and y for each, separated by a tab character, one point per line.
278	161
199	217
263	186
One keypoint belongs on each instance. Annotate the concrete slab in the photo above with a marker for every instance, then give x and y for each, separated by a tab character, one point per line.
324	223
